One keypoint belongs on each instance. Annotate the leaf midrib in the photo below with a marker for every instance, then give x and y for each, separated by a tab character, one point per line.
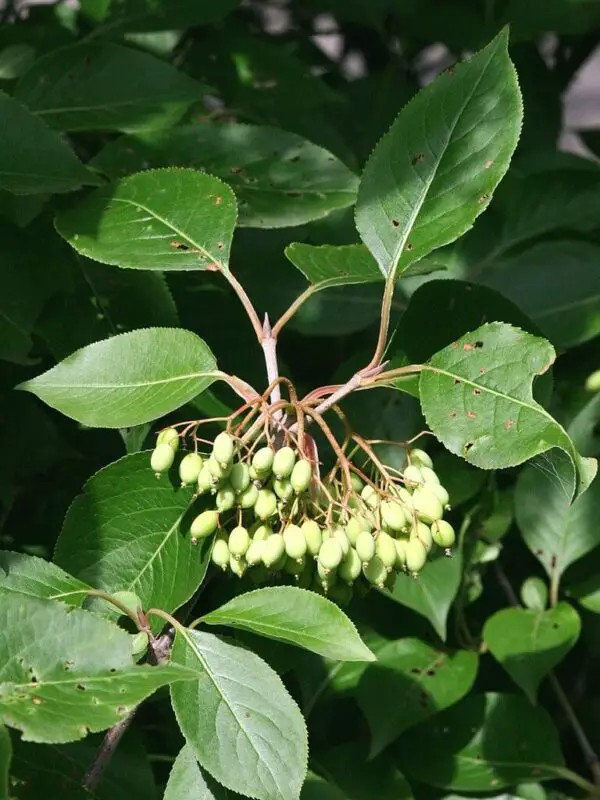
71	385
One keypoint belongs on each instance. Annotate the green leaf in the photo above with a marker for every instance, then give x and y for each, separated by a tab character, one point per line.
65	672
435	170
187	781
584	428
458	307
534	594
483	743
476	397
15	60
432	593
315	788
35	159
568	308
35	577
239	713
529	644
557	532
422	680
280	179
104	86
347	766
129	379
129	531
167	219
5	759
296	616
160	15
327	265
587	592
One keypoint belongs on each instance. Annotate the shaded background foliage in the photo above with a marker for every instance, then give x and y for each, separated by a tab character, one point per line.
335	73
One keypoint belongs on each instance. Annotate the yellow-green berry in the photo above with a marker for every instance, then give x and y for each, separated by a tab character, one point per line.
189	469
421	458
416	556
223	449
385	549
365	547
162	458
443	533
376	572
266	504
283	488
204	525
283	462
312	534
225	499
273	550
330	554
301	476
248	498
239	541
295	543
239	477
168	436
262	461
392	514
351	566
220	554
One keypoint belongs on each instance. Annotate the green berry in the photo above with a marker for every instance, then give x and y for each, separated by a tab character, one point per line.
168	436
430	477
443	533
426	504
326	576
205	480
248	498
371	496
238	566
273	550
365	547
356	482
225	499
422	532
189	469
376	572
279	565
204	525
266	504
162	458
261	532
406	498
217	472
262	461
139	644
312	534
386	549
330	554
441	493
413	475
416	556
400	545
255	550
339	534
239	477
295	543
283	462
223	449
301	476
220	554
128	599
353	530
350	568
420	458
239	541
392	514
283	488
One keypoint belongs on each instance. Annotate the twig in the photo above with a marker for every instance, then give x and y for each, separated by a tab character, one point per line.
289	313
384	325
269	346
245	300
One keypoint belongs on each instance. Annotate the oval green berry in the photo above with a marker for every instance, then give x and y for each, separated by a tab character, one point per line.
430	477
295	543
416	556
261	532
370	496
376	572
301	476
312	534
441	493
443	533
254	553
205	480
356	482
225	499
400	545
223	449
413	475
392	514
217	472
283	462
220	554
283	488
426	504
386	549
248	498
238	565
239	477
273	550
162	458
365	547
330	554
339	534
262	461
189	469
351	566
168	436
326	576
422	532
239	541
205	524
266	504
421	458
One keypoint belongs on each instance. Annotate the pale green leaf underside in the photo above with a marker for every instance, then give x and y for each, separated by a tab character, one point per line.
125	532
279	178
35	577
35	159
476	396
529	644
435	170
188	782
129	379
328	265
105	86
239	713
296	616
65	672
166	219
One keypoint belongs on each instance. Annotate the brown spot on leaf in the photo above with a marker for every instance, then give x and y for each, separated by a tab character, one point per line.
218	200
456	381
484	198
476	391
508	424
488	164
418	158
409	246
395	223
37	700
179	246
471	415
453	414
449	71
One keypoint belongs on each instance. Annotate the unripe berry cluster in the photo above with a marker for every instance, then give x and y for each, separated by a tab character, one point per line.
269	515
